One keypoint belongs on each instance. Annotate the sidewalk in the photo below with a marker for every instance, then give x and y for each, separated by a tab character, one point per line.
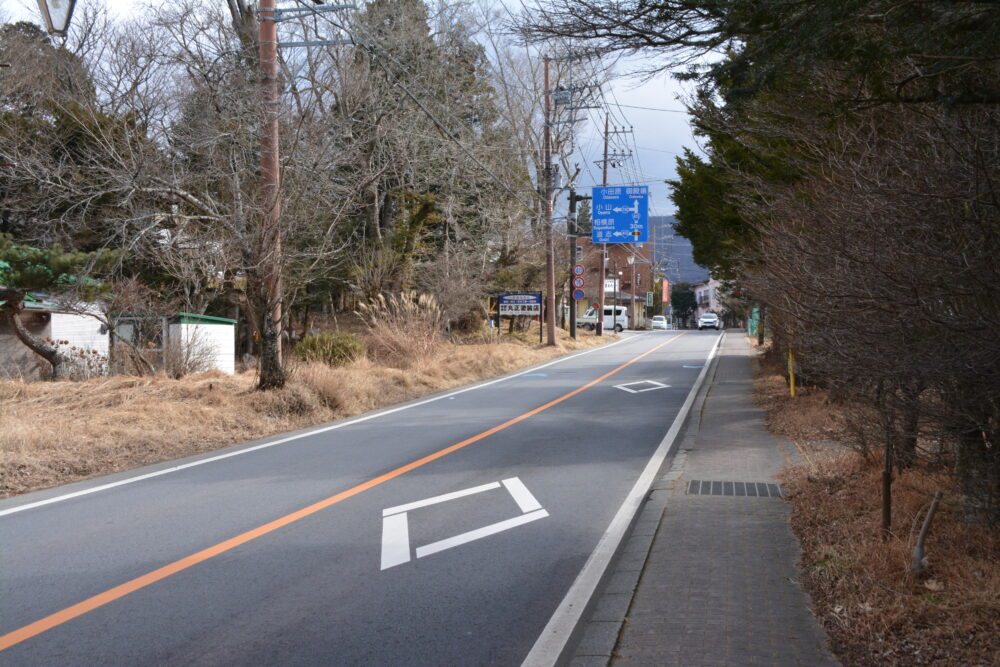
707	576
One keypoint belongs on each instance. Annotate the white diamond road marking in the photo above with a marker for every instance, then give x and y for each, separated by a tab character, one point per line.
656	385
396	529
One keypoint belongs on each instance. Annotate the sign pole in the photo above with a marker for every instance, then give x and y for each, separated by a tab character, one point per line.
631	301
542	318
614	306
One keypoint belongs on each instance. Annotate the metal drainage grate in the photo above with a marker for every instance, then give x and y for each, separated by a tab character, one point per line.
699	487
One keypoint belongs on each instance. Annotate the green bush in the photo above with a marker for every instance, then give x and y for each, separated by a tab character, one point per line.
334	348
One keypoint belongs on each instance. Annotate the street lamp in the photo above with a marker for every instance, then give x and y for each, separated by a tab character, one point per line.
57	14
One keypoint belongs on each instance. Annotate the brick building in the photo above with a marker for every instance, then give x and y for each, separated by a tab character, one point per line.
628	268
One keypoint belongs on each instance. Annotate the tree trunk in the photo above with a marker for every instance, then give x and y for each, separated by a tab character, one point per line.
978	469
271	374
889	439
12	308
906	448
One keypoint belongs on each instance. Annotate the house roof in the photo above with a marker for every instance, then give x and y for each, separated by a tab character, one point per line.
181	318
194	318
41	303
37	301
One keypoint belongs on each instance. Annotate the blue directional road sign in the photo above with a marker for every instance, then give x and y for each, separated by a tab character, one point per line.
620	214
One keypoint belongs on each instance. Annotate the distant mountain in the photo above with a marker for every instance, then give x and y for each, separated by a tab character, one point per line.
673	252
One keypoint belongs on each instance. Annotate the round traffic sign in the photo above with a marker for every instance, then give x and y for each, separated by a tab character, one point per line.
577	282
578	270
578	294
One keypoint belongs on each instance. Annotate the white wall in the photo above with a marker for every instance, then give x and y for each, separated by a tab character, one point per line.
81	331
710	290
220	339
76	334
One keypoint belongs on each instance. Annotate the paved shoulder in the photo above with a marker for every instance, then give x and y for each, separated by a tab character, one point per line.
712	581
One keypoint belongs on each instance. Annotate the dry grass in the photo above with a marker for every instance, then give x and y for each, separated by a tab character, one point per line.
57	432
875	611
402	327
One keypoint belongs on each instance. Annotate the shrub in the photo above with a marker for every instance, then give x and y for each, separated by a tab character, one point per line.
333	348
403	328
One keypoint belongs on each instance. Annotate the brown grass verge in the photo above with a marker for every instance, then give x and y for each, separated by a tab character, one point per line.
875	611
53	433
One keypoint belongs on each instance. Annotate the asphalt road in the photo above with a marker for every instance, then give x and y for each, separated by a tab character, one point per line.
444	531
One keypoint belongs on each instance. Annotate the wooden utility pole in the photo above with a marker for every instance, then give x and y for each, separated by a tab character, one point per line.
604	246
571	233
270	180
547	193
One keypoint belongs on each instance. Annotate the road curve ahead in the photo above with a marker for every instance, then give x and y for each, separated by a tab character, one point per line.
444	531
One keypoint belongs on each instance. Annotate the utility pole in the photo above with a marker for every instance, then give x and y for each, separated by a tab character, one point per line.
270	171
571	235
562	97
604	246
547	194
616	158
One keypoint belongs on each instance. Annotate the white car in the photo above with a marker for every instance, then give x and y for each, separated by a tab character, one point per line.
659	322
708	321
616	319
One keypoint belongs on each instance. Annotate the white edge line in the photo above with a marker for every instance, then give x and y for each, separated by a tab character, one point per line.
519	492
550	644
440	499
480	533
281	441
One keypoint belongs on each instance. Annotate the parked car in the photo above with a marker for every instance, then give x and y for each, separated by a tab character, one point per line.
589	319
708	321
659	322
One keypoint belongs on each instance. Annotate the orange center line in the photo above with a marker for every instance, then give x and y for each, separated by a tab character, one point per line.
80	608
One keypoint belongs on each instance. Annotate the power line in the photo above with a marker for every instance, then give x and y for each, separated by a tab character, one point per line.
632	106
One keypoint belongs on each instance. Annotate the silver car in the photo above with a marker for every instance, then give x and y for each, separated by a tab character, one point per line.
658	322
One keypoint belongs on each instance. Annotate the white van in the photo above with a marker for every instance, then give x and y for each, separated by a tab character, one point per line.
589	319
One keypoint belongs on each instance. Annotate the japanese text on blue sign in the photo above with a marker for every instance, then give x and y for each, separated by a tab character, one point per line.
520	304
620	214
